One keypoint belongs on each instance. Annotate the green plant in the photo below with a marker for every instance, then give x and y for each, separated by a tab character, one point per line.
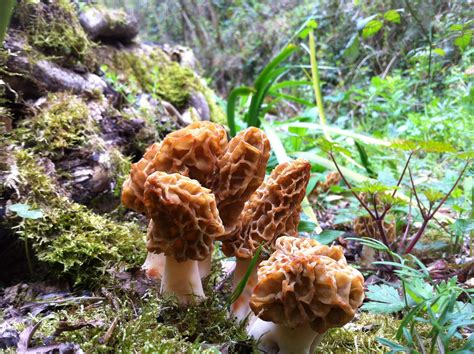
269	75
7	10
379	198
433	316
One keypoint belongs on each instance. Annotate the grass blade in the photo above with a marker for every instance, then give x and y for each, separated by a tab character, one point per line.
6	10
231	102
243	283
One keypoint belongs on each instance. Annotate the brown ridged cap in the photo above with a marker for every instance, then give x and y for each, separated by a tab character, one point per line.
241	170
365	226
133	187
192	151
184	217
306	282
273	210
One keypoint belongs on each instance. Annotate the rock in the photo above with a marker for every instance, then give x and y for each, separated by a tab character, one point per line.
119	131
8	338
190	115
88	173
55	78
109	25
182	55
199	102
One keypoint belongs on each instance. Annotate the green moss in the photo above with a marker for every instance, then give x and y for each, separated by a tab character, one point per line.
217	113
72	240
139	326
153	72
63	123
54	29
360	336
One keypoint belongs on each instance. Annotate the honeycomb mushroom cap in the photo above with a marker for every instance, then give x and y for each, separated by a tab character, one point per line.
306	282
365	226
133	187
184	217
273	210
192	151
240	171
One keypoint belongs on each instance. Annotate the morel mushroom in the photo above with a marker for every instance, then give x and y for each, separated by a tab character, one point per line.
272	211
192	151
241	170
184	223
303	289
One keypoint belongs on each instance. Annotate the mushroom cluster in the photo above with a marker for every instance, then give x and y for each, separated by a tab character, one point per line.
303	289
272	211
193	186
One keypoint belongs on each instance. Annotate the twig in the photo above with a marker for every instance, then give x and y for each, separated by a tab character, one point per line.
106	338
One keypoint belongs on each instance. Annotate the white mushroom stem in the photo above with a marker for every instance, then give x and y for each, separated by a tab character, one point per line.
154	266
276	338
205	266
182	279
241	308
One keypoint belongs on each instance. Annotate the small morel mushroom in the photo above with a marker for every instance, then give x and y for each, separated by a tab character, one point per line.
192	151
365	226
272	211
184	223
303	289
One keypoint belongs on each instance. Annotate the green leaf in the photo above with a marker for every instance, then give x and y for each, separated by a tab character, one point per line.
24	211
311	184
440	52
328	236
404	145
5	14
384	299
313	24
351	51
306	225
392	16
465	155
243	282
304	33
395	347
371	28
455	27
231	101
373	188
464	40
419	290
433	195
364	159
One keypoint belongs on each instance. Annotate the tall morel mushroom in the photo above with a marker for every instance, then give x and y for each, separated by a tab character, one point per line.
240	171
184	223
272	211
303	289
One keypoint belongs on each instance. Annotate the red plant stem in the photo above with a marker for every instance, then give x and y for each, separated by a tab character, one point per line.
350	187
431	214
420	206
407	229
387	208
377	220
